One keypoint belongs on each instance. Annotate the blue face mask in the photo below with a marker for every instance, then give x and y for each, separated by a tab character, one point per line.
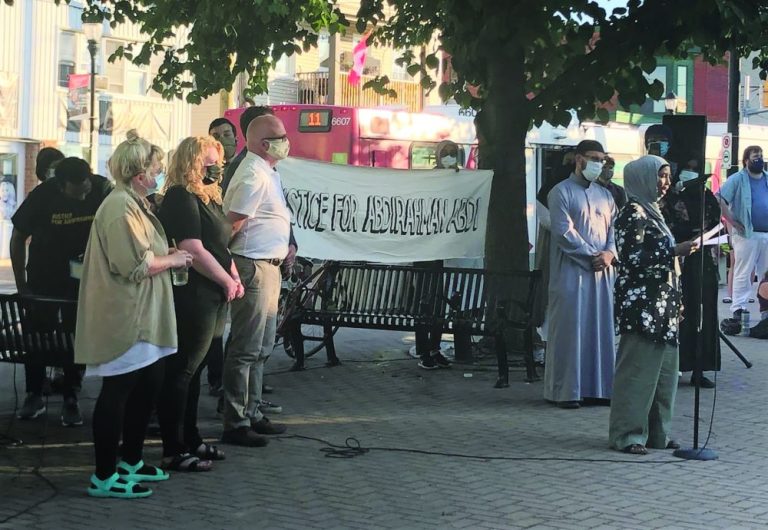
663	148
159	181
757	165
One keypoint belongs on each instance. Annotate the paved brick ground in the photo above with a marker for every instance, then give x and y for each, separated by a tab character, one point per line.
559	473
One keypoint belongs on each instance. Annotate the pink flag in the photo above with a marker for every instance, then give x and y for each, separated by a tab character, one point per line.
358	60
717	173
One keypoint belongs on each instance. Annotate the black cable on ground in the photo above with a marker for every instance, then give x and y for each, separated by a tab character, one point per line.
37	470
54	492
352	448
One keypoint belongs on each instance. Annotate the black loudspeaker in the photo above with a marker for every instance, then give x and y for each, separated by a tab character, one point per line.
688	145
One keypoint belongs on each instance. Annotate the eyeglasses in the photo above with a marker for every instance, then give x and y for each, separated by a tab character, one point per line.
271	138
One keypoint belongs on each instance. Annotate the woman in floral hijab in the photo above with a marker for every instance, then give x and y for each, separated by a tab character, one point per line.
647	307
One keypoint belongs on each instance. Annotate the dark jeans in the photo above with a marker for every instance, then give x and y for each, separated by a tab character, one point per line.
215	362
48	318
427	295
124	404
197	323
35	375
427	340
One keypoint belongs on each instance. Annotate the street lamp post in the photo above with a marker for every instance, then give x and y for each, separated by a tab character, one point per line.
670	103
92	32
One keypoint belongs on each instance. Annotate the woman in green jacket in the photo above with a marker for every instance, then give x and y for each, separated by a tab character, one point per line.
126	321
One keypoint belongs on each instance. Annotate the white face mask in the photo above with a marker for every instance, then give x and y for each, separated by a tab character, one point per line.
592	171
448	161
278	149
685	176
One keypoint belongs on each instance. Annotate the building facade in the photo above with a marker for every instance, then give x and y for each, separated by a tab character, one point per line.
43	44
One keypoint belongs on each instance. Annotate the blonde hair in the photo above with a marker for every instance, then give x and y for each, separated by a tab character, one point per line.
187	168
130	158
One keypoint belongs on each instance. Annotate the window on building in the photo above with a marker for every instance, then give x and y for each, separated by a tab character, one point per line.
660	74
323	50
135	79
286	66
399	72
682	89
67	56
115	71
127	78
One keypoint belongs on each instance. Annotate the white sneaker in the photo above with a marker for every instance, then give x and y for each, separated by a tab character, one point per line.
267	407
33	407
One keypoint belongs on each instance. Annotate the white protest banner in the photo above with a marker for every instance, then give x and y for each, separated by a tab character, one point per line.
386	215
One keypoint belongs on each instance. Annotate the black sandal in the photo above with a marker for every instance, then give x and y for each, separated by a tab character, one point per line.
186	462
635	449
209	452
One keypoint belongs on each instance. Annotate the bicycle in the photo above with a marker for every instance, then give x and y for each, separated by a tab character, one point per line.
312	290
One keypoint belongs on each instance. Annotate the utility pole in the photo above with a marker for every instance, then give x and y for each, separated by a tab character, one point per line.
734	77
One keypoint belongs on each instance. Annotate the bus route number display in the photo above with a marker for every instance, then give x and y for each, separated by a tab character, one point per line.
316	120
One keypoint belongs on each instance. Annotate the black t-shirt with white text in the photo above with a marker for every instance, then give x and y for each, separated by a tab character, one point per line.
59	227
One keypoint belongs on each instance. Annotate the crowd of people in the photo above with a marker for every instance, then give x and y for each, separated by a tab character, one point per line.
174	252
628	261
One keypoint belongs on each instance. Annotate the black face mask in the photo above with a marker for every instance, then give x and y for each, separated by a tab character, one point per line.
212	175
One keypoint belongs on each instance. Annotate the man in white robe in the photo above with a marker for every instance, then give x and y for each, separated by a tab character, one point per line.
580	353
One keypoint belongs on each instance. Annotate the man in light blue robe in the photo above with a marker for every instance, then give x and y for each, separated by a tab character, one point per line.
580	355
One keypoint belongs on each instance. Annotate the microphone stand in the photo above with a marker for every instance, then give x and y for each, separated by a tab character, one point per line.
696	453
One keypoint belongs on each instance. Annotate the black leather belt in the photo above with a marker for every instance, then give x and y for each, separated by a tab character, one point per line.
272	261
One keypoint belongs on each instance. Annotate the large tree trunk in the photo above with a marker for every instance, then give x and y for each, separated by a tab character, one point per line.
502	125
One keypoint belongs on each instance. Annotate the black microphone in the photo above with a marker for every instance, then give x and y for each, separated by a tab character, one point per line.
688	178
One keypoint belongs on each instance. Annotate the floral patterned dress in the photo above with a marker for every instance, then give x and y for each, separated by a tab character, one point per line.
646	294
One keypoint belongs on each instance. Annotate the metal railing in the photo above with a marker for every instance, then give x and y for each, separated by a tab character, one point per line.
314	88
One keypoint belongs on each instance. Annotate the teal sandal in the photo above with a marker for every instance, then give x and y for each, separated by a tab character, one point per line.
148	473
116	487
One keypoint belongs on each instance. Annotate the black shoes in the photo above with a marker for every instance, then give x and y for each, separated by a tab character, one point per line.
434	361
264	426
245	437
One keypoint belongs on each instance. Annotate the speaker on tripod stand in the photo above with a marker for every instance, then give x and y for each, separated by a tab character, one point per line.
691	211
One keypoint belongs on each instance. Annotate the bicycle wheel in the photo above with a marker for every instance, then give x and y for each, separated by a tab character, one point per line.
306	295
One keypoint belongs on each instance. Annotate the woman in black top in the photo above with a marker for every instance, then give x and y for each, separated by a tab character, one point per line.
682	211
192	216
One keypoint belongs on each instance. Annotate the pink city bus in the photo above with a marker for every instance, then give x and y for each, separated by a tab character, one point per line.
369	137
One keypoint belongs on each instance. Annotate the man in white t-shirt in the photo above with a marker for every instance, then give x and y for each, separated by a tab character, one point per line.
255	205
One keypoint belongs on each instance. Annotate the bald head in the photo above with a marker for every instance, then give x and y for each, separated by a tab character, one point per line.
260	131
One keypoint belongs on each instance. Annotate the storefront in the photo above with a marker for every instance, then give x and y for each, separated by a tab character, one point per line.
11	189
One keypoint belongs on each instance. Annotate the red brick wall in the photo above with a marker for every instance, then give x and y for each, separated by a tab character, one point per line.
710	90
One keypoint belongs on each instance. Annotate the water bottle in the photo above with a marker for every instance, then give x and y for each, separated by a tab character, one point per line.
745	323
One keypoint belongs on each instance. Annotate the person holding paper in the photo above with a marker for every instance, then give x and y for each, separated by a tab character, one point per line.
682	212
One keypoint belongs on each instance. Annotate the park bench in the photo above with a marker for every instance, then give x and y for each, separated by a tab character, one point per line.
400	297
37	327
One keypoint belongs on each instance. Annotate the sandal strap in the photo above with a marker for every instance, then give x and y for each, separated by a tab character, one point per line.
183	462
113	482
208	451
128	468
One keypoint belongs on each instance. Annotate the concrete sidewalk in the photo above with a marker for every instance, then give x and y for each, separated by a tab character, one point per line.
556	473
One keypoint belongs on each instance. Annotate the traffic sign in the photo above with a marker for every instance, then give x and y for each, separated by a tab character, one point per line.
727	146
726	158
727	141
